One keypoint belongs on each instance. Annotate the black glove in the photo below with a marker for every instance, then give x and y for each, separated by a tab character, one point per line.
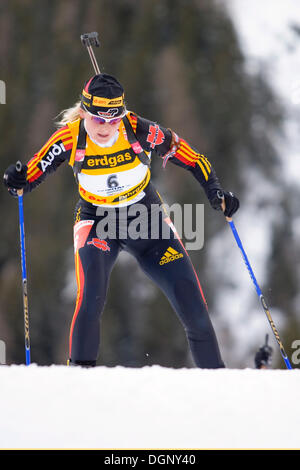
15	179
231	202
263	356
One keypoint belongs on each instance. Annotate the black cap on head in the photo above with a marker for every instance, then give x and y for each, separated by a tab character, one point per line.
103	96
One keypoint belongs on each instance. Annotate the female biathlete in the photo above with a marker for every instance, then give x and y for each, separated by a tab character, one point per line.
109	149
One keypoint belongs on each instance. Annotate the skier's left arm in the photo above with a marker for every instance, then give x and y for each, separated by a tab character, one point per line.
170	146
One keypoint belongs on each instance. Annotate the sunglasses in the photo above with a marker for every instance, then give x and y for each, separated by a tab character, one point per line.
100	120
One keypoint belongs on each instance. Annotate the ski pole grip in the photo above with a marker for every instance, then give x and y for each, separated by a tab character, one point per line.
19	168
221	196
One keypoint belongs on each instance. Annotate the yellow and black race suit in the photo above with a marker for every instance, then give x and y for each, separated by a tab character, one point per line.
114	178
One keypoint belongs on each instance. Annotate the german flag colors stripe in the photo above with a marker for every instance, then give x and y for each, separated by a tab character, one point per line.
133	121
81	232
191	158
62	135
80	287
31	177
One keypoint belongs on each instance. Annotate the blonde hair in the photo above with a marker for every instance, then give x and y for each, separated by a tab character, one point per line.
69	115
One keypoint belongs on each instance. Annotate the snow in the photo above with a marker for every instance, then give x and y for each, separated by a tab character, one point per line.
153	407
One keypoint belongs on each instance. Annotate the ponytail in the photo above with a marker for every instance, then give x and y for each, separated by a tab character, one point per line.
69	115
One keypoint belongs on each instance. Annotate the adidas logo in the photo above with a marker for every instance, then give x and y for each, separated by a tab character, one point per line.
170	255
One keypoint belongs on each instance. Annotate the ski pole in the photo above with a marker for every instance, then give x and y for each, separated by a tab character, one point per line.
24	273
89	40
257	288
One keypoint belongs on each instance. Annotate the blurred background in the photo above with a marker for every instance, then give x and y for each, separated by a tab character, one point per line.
223	75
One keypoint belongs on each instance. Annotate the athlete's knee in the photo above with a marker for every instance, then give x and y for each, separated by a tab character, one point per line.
200	332
188	295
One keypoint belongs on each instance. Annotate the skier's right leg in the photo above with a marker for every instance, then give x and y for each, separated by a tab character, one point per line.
94	260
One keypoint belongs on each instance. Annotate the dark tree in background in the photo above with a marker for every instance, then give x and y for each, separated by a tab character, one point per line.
181	65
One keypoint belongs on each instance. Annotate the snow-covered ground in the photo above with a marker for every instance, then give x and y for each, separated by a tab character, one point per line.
148	408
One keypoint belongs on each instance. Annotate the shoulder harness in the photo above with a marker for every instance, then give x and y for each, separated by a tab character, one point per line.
81	146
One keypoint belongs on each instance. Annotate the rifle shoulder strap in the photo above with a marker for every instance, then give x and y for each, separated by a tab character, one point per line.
80	150
136	146
81	146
